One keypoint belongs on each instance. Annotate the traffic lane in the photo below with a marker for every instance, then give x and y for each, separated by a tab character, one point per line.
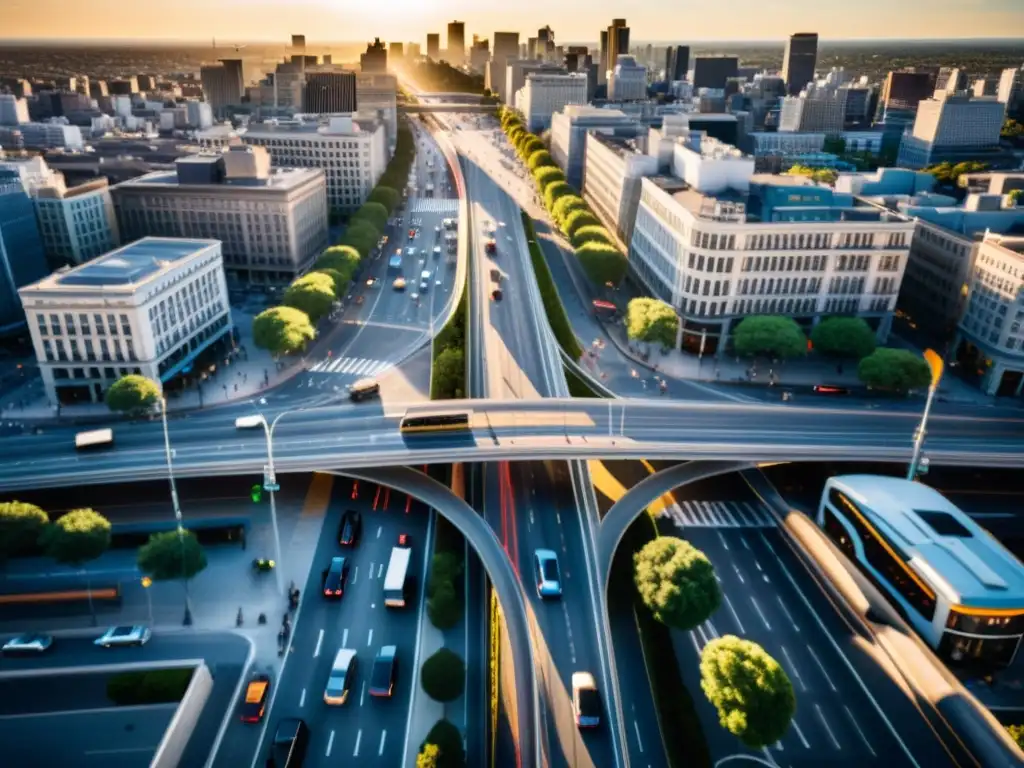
125	738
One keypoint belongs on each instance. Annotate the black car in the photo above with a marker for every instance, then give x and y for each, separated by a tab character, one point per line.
290	742
350	528
382	676
335	578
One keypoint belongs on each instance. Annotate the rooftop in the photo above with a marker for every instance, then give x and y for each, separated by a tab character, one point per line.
281	179
335	127
944	545
621	145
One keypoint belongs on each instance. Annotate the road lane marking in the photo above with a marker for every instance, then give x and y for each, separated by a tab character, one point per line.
362	696
379	529
568	629
693	639
803	685
821	716
369	640
822	668
863	738
743	540
330	743
319	642
355	574
639	741
739	623
738	574
359	738
380	570
796	727
785	610
371	568
759	613
302	698
344	638
724	542
120	751
380	749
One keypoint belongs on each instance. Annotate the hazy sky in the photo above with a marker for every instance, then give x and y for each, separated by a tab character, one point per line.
572	20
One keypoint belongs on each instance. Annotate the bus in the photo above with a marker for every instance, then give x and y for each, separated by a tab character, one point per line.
436	422
95	438
248	422
396	580
952	581
430	190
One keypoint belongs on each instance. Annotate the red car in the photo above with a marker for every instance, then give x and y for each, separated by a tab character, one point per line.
403	539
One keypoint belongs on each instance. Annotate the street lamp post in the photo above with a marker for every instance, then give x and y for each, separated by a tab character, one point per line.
147	582
187	620
936	366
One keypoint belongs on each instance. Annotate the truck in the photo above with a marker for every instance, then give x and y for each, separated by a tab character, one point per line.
397	577
94	438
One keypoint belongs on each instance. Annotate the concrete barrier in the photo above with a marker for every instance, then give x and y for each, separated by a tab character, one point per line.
172	746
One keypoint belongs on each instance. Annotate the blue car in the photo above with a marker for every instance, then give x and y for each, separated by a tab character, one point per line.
549	582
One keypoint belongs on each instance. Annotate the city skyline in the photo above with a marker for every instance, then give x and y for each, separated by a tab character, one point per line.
699	21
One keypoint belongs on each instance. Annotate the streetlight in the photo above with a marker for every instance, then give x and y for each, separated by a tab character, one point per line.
147	582
936	366
187	620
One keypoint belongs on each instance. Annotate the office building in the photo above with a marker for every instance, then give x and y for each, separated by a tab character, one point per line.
951	80
611	182
570	128
330	92
544	94
903	91
76	223
434	46
13	111
617	45
714	71
48	135
953	128
149	308
479	55
859	107
22	254
352	153
412	51
457	43
516	71
396	51
1009	91
198	114
815	110
272	221
602	64
677	62
506	46
128	86
299	44
376	57
223	85
985	86
799	61
378	93
628	81
718	243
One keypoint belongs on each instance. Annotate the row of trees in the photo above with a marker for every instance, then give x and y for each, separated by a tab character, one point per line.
442	748
822	175
749	689
444	600
594	246
948	174
288	328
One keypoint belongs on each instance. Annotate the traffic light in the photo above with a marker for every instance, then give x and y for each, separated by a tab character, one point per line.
256	493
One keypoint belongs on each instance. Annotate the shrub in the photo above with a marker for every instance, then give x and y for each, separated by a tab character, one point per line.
448	740
443	676
21	525
592	233
895	370
843	337
566	205
313	294
652	321
540	159
282	330
154	686
769	335
602	263
132	394
546	176
555	192
676	582
553	307
575	220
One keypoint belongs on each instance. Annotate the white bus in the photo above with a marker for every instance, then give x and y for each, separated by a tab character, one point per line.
950	578
396	579
94	438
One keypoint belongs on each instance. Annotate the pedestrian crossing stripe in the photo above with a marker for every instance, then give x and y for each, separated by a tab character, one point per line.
719	514
434	205
357	366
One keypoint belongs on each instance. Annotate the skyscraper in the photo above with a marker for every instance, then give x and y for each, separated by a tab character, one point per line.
396	51
22	256
602	64
677	62
299	43
799	61
434	45
223	84
714	71
376	57
457	42
506	46
330	92
618	45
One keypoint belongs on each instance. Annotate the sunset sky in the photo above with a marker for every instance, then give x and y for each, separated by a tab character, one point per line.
572	20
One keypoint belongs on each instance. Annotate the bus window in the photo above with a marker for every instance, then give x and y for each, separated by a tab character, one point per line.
437	422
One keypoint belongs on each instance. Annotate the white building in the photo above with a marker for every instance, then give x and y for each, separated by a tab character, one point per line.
516	71
352	154
569	129
272	222
199	114
13	111
77	224
951	128
1011	88
719	242
611	180
545	94
149	308
627	81
50	135
815	110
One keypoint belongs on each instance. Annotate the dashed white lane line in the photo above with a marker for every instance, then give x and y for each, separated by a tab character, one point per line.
639	741
803	739
359	738
319	642
822	668
344	638
369	639
856	725
355	575
789	616
330	743
380	570
383	738
380	528
735	615
302	698
362	695
821	716
760	613
738	574
796	672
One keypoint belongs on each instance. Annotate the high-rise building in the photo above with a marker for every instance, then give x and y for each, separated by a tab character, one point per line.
904	90
376	92
602	64
545	94
1010	90
223	84
714	71
330	92
412	51
628	81
457	42
569	129
22	255
376	57
506	46
516	71
677	62
815	110
130	85
433	46
618	45
77	223
799	61
396	51
613	168
299	43
13	111
479	55
952	128
952	80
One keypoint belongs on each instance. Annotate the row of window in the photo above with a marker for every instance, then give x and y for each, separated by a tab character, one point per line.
84	324
65	350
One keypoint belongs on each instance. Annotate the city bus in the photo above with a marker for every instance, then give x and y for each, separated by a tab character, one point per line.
436	422
396	580
952	581
95	438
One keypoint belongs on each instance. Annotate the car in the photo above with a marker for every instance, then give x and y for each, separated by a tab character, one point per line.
124	635
491	246
403	539
437	251
382	675
399	284
412	234
496	294
254	705
830	389
410	251
291	739
350	528
549	582
334	577
424	280
343	672
29	642
586	701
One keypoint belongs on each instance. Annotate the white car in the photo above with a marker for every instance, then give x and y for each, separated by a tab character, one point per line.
30	642
124	635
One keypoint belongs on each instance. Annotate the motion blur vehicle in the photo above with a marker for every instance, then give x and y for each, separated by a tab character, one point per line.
343	670
586	702
399	284
350	528
491	246
254	705
549	583
382	676
123	635
363	389
28	643
335	577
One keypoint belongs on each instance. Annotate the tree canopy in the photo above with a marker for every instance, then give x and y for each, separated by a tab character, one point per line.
566	205
530	144
555	192
843	337
342	258
375	213
362	235
386	196
77	537
449	374
312	293
775	336
751	691
444	609
895	370
168	556
1017	734
21	525
132	394
540	159
591	233
676	582
548	175
443	675
950	173
282	330
447	739
652	321
602	263
822	175
338	281
576	220
428	756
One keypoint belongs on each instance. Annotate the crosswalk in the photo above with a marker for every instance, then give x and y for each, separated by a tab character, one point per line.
434	205
719	514
354	366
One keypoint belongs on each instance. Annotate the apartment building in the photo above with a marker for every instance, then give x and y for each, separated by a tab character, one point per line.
611	181
569	129
953	128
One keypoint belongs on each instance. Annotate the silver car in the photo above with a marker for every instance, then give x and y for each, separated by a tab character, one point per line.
124	635
30	642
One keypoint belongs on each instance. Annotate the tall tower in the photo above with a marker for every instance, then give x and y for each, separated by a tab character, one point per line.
618	45
457	42
799	61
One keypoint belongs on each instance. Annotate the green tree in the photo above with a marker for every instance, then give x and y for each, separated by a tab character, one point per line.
1017	734
342	258
529	144
282	330
170	555
21	525
770	335
849	337
652	321
443	606
443	676
132	394
592	233
1014	196
1012	129
386	196
449	375
446	737
751	691
540	159
566	205
375	213
602	263
445	567
548	175
337	280
362	236
77	537
577	220
676	582
428	756
834	145
895	370
555	192
313	294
